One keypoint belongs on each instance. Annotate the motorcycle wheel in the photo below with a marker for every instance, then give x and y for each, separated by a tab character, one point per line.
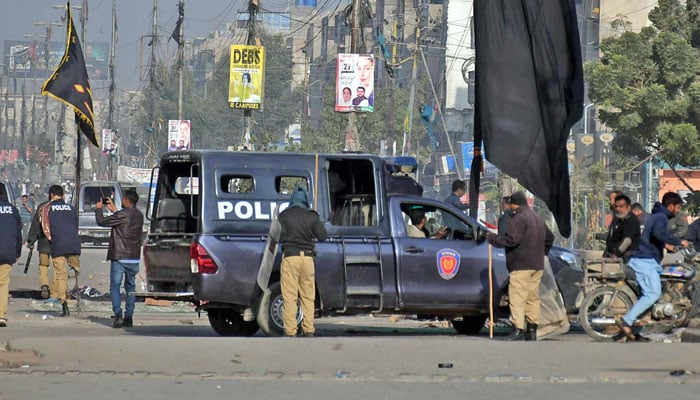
599	310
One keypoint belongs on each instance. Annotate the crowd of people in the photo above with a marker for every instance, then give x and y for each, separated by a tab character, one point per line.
53	227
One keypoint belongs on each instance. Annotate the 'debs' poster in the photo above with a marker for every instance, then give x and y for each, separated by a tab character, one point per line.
354	85
246	77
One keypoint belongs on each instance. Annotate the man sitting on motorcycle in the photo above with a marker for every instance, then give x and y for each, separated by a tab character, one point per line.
646	261
624	232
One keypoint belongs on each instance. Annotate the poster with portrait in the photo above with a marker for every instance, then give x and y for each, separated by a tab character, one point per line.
354	84
179	134
246	77
110	146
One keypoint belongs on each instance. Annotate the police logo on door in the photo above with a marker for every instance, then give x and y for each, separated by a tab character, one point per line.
447	263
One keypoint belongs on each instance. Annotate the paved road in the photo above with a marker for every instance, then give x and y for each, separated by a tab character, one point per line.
172	354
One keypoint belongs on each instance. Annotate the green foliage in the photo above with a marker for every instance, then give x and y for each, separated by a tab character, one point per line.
647	85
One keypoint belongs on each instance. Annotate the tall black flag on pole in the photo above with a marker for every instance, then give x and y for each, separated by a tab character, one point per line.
69	83
529	92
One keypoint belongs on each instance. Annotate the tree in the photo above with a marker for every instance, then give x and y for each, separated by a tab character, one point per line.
647	86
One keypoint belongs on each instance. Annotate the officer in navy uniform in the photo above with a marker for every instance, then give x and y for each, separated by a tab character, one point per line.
300	226
60	225
10	250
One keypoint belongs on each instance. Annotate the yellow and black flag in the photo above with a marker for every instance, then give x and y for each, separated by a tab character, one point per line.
70	84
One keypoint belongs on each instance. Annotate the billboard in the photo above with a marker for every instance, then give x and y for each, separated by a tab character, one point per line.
354	83
246	77
179	134
27	58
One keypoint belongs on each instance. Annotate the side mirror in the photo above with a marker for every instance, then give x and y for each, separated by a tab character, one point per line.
481	235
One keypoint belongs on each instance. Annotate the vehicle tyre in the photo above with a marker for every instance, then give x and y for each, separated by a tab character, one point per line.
270	311
599	310
229	322
469	325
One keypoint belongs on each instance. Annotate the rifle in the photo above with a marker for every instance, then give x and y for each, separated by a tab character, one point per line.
29	259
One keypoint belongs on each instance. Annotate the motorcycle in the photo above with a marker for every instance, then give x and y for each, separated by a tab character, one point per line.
613	292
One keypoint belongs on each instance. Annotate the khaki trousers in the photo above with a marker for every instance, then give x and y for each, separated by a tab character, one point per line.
4	288
523	291
297	282
60	273
44	273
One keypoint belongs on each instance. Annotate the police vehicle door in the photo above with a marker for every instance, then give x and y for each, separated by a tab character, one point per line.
441	272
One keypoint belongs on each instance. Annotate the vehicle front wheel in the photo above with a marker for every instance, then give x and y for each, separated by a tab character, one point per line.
229	322
270	311
469	325
599	310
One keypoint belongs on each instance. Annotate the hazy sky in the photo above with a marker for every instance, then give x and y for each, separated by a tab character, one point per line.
134	19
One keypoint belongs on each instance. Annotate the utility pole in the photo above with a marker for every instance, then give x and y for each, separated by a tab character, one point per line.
112	89
180	56
352	139
412	93
252	40
152	84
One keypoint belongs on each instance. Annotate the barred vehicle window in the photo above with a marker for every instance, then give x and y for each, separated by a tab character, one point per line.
237	184
286	184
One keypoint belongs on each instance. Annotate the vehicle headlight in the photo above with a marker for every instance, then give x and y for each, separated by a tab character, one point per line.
569	259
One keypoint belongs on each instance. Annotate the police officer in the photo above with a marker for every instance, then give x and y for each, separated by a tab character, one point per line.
37	235
60	225
300	226
10	250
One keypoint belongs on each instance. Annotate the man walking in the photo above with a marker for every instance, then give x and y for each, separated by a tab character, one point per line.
25	214
10	250
36	234
458	190
59	221
300	226
125	242
646	261
527	240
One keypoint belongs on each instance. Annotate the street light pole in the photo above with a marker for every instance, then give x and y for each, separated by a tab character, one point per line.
585	117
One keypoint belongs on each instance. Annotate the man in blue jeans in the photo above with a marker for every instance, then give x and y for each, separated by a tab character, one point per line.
646	261
124	251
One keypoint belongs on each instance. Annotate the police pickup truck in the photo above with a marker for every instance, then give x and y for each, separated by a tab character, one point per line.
211	216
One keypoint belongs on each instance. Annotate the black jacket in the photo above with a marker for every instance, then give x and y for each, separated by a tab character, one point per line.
621	228
527	240
127	232
63	222
37	234
299	227
10	232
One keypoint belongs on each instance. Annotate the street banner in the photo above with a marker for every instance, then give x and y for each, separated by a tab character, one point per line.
354	83
246	77
133	175
110	145
179	134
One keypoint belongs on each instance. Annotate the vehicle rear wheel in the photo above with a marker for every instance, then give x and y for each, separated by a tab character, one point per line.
229	322
599	310
469	325
270	311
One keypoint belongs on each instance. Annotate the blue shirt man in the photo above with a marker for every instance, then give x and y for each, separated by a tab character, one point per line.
646	261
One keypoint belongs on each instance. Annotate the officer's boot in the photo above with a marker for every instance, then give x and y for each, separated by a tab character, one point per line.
531	332
66	311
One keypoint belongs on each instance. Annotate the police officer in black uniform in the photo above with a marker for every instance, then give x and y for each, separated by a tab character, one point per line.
60	224
10	250
300	226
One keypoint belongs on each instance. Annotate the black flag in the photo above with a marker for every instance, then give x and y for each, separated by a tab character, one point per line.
70	84
529	92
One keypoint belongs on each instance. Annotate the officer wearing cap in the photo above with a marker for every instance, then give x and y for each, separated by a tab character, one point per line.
10	250
300	226
527	240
